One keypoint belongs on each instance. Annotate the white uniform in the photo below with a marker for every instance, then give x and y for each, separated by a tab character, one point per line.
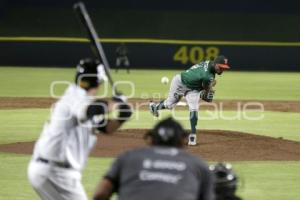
178	90
65	143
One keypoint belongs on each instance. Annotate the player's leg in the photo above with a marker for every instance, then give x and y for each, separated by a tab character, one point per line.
175	94
192	99
38	174
69	188
52	184
127	64
64	189
47	191
118	62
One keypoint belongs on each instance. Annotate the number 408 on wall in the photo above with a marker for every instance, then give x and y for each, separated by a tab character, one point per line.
195	54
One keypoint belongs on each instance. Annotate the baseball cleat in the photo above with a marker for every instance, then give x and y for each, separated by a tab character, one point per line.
192	140
153	109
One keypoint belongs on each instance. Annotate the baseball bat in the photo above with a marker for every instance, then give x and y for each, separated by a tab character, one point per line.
94	39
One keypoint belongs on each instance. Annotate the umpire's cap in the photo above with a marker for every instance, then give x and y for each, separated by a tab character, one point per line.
225	180
87	74
167	132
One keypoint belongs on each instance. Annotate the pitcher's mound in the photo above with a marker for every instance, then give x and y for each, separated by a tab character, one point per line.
213	145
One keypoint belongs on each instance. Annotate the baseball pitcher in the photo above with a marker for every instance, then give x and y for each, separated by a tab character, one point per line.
194	83
61	151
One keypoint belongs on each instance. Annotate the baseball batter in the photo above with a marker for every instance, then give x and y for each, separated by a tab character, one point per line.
194	83
162	171
61	151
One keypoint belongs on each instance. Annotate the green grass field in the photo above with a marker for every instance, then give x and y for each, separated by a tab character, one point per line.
275	124
260	180
231	85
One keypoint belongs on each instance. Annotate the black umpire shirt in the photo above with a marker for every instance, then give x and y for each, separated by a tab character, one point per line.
161	173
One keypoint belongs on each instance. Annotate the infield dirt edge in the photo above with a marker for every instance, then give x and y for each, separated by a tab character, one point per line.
214	145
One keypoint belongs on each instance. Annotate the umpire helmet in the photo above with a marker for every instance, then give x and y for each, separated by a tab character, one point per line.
225	180
167	132
87	74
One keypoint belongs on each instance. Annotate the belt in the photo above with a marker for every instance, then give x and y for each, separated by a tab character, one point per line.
58	164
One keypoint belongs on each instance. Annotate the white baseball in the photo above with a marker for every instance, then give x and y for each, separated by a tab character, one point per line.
164	80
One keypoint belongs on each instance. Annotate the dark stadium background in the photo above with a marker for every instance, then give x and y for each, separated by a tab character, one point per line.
259	35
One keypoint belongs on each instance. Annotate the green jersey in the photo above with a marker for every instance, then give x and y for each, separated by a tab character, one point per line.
198	76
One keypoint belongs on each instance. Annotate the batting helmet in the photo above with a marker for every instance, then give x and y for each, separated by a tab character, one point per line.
168	132
225	180
87	75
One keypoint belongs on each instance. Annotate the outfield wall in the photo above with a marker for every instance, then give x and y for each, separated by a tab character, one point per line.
151	53
253	37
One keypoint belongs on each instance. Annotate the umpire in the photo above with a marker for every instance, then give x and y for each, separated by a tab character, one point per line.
161	171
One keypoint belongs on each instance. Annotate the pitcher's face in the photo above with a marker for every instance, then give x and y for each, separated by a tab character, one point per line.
218	69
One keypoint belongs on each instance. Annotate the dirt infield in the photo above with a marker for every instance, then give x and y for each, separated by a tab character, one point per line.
44	102
214	146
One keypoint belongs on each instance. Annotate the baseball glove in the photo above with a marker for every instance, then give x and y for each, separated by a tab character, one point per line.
207	96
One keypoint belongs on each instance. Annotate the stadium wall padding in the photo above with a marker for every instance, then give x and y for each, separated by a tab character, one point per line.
253	40
152	53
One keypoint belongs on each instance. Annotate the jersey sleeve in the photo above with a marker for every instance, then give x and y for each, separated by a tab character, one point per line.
207	184
207	82
114	173
78	110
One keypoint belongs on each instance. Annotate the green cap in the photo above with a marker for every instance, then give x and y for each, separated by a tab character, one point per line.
222	62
